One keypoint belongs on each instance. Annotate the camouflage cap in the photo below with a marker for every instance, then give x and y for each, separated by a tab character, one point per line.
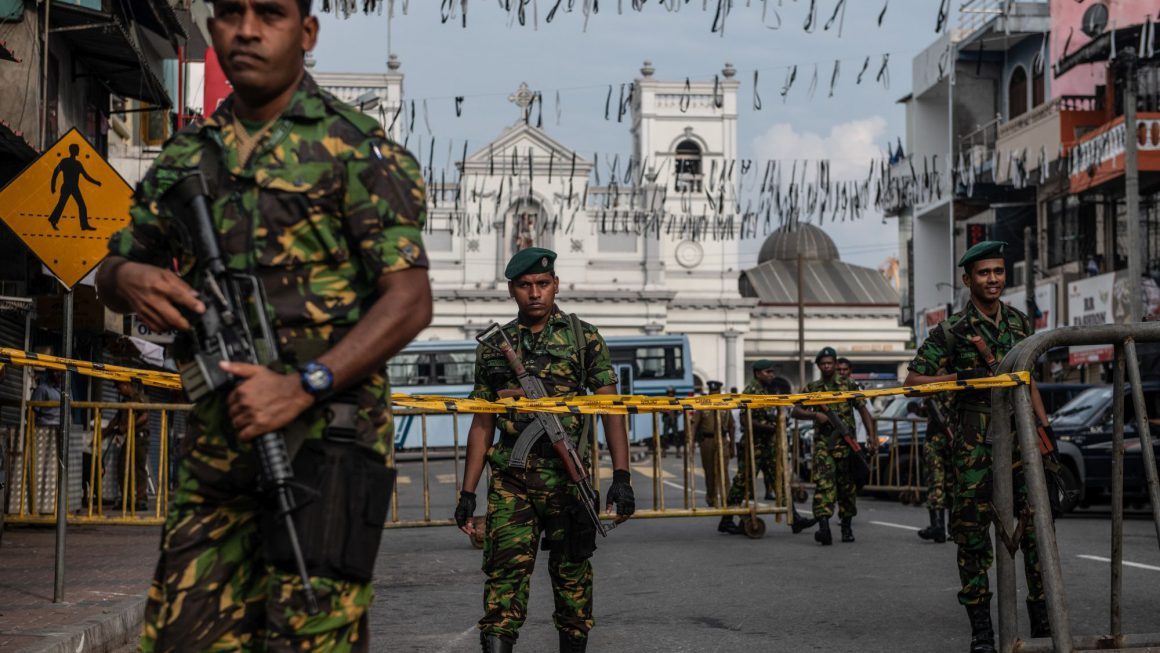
982	251
762	364
532	260
824	352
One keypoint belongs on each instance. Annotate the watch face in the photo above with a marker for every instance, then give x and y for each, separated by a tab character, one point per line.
317	379
1095	20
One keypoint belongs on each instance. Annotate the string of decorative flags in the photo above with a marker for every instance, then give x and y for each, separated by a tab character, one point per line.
828	15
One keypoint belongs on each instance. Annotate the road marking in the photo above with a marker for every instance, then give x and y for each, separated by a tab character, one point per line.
446	479
453	645
648	471
679	487
1126	563
891	525
403	480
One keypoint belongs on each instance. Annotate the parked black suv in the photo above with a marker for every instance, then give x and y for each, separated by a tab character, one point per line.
1084	429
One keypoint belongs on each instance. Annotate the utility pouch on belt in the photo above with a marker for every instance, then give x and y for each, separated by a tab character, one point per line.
578	541
344	491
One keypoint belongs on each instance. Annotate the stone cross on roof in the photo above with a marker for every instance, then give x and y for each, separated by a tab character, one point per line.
522	98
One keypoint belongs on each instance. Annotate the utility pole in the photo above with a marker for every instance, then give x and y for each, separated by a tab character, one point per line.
1128	61
1029	276
801	311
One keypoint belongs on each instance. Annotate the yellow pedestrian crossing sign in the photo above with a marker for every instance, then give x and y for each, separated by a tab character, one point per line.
65	206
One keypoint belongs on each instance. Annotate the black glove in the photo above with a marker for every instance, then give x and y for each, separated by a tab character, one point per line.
465	508
620	493
976	373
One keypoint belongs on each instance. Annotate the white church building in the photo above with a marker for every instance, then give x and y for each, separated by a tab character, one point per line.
525	188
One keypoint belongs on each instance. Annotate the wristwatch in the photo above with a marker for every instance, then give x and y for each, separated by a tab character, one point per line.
317	379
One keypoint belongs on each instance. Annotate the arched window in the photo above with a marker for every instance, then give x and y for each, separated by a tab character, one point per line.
1017	93
688	168
1038	82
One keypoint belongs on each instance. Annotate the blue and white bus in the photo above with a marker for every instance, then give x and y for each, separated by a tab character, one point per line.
645	365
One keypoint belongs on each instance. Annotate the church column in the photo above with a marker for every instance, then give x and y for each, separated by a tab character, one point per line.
654	203
731	358
500	263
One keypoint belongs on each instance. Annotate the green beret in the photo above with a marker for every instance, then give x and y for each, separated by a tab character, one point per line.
984	250
763	364
532	260
826	351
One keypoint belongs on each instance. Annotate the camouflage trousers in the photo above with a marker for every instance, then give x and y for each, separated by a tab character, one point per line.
833	482
709	453
936	457
522	506
970	523
212	589
766	463
763	453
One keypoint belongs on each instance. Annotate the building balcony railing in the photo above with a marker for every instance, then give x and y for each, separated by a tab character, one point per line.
1098	157
1039	134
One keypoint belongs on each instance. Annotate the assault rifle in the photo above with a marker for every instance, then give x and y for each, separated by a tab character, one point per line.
861	466
1046	445
222	333
545	423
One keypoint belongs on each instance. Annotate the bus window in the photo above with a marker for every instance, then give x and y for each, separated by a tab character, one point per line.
659	363
409	369
454	367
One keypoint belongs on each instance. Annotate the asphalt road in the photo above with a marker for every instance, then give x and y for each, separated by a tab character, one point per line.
677	585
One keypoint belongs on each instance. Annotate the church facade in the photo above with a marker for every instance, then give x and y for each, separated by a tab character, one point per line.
619	267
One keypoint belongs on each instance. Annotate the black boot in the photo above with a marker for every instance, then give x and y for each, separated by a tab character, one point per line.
728	526
982	634
822	535
801	523
937	531
569	644
495	643
1037	614
847	530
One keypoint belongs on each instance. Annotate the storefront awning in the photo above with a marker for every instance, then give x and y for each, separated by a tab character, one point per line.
104	44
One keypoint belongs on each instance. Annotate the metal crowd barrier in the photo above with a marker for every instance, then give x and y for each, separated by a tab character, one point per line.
749	510
34	475
901	472
1023	357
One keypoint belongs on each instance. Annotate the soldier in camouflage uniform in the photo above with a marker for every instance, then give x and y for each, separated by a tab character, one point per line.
833	481
949	354
936	460
310	196
765	382
539	500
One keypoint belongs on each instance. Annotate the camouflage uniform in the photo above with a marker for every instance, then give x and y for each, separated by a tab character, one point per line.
523	504
322	209
762	445
971	454
936	459
704	426
832	480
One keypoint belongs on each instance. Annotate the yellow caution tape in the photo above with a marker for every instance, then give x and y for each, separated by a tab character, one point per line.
585	405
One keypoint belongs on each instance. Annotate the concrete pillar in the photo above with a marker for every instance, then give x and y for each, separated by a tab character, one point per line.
730	379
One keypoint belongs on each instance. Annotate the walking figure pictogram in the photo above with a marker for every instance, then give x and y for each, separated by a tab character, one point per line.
71	170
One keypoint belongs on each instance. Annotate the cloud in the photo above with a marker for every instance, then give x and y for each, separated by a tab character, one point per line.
850	146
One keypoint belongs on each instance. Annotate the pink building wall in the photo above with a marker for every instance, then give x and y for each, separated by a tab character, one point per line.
1067	18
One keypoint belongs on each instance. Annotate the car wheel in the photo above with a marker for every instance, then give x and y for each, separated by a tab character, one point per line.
1069	489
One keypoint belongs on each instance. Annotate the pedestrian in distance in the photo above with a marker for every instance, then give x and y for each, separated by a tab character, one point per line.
832	471
954	351
312	200
131	437
538	501
707	425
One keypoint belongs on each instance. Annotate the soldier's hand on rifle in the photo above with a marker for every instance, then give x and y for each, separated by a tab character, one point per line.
464	511
155	295
265	400
621	494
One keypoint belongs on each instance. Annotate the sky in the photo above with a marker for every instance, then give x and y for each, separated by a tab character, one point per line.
488	60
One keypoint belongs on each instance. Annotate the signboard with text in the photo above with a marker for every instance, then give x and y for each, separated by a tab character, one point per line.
1090	303
1048	317
928	319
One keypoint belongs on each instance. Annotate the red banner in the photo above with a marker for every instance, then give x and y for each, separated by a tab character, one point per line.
217	87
